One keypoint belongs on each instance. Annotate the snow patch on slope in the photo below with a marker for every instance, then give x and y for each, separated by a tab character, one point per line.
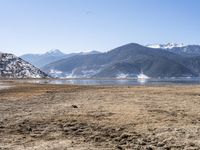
82	72
142	76
122	76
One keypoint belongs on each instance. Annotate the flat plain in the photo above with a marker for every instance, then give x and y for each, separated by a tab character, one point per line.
69	117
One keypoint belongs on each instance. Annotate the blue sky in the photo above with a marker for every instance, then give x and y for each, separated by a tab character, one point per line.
36	26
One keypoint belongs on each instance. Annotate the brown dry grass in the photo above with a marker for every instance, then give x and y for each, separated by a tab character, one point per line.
140	117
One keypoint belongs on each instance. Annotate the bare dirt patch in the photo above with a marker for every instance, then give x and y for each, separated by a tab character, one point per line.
93	117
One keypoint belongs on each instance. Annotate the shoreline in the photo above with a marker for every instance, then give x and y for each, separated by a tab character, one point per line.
111	81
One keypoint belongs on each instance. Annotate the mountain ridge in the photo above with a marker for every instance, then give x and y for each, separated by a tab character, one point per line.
153	62
40	60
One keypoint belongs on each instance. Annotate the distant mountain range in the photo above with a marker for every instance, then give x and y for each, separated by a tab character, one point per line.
15	67
129	61
40	60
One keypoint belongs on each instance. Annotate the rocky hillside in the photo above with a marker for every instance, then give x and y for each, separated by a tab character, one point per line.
15	67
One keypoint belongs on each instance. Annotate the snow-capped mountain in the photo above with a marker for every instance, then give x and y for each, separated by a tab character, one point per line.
15	67
165	46
40	60
54	52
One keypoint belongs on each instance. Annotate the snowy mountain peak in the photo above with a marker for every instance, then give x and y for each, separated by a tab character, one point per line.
56	52
166	46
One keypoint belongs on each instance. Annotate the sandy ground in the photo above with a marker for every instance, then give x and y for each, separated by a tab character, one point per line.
66	117
4	86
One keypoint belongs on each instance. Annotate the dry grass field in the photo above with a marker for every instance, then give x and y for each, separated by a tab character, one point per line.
66	117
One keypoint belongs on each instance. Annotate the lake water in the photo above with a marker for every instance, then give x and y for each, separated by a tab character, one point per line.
164	81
